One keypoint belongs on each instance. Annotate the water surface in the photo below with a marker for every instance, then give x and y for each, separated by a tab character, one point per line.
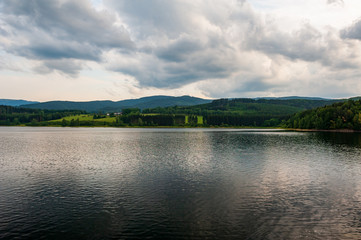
104	183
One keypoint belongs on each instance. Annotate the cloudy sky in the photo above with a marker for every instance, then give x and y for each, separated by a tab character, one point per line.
119	49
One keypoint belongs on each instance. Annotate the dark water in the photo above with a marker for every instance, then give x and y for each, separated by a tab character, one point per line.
84	183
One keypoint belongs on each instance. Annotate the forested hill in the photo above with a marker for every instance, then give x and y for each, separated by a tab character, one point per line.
247	106
110	106
342	115
245	111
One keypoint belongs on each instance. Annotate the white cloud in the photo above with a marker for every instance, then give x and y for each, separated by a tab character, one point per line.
210	48
335	2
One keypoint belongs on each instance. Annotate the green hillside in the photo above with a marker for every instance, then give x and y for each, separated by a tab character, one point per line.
342	115
245	111
245	106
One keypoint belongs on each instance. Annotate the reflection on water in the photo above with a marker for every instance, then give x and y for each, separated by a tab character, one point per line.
65	183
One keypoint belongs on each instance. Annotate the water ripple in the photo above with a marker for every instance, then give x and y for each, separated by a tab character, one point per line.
74	183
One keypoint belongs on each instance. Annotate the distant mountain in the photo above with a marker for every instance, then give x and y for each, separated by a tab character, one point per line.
15	103
292	98
110	106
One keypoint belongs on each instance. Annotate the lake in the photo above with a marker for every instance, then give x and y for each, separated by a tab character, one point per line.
109	183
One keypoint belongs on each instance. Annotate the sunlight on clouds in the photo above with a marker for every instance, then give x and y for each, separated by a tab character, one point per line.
117	49
320	13
98	4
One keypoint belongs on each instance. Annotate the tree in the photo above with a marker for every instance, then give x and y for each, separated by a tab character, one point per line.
64	123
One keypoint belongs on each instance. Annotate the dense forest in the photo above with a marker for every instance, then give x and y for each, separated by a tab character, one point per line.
12	116
244	111
245	106
343	115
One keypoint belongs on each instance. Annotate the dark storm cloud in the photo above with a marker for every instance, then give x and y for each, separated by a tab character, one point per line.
180	63
155	17
353	31
238	87
69	20
44	29
305	44
68	66
179	50
289	45
61	50
172	75
184	41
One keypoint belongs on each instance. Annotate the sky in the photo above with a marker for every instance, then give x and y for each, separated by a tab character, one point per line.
119	49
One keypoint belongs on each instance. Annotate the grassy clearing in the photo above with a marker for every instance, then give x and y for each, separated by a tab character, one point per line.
86	117
82	117
93	120
150	114
107	119
199	120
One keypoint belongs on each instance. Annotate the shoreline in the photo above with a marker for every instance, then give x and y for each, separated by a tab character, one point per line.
185	127
211	127
324	130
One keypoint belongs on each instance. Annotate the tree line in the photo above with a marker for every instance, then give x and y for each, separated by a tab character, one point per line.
223	112
12	116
